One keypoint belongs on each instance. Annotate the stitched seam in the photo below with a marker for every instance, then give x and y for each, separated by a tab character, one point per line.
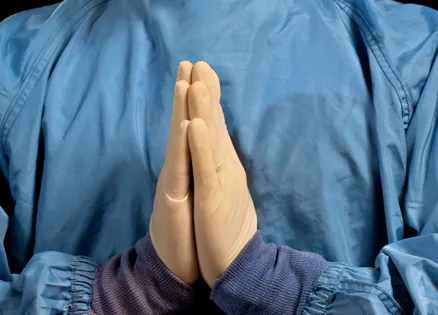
374	41
342	284
382	295
27	77
35	72
379	43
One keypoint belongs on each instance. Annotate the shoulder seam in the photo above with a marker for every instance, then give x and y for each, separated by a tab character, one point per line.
32	77
376	45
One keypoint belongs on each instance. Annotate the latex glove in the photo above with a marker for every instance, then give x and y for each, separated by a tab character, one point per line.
171	225
224	213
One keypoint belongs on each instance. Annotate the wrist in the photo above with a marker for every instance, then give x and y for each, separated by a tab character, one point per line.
266	278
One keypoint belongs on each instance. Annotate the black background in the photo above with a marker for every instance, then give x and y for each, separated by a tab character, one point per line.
9	7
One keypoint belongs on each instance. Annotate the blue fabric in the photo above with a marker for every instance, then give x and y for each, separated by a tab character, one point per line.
51	283
331	104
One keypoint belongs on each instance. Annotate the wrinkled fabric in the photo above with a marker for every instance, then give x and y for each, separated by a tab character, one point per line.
331	105
51	283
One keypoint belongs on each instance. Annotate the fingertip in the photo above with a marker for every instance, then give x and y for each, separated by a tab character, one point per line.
185	71
197	128
199	69
184	126
185	64
202	71
198	123
182	86
180	109
202	65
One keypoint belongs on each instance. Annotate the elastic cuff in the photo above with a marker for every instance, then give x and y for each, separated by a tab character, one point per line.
320	298
81	288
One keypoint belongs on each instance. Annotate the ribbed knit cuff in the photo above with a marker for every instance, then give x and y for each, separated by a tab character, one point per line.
267	279
137	282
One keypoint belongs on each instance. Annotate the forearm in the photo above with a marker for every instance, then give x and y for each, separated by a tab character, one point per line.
270	279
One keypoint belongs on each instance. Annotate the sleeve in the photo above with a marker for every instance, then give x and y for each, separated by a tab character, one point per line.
51	282
270	279
137	282
134	282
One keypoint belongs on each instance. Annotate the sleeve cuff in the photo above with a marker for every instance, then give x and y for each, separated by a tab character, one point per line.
81	288
138	282
54	283
267	279
169	286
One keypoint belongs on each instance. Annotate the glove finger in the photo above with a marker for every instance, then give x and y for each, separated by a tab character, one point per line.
200	107
204	168
177	165
219	136
185	71
203	72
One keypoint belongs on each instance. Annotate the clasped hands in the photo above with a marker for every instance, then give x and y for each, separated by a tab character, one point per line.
200	228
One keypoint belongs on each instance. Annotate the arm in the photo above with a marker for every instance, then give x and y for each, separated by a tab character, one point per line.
269	279
275	279
137	282
57	283
51	282
140	280
246	275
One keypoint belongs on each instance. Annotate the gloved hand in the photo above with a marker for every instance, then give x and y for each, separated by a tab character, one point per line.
224	214
171	225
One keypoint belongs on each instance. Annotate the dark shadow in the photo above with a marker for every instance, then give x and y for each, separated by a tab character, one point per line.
9	7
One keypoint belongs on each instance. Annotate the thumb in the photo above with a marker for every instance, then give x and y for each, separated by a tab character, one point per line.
204	168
